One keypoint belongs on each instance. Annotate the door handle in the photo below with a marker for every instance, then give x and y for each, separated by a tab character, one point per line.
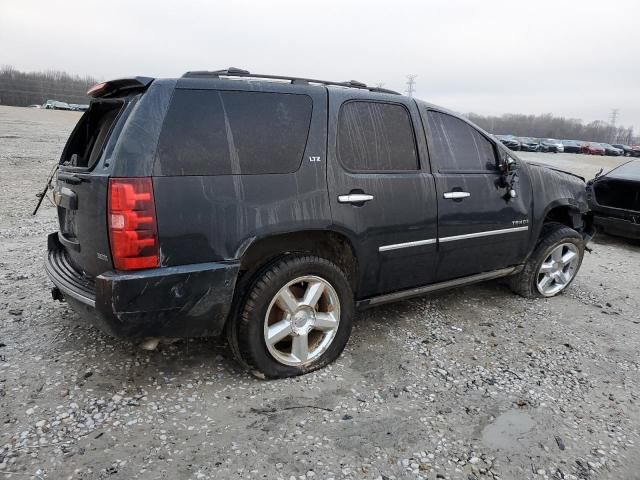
456	195
355	198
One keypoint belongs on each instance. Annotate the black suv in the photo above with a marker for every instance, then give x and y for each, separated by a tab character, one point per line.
271	208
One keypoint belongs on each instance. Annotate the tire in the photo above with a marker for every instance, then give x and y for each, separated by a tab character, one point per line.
558	273
276	295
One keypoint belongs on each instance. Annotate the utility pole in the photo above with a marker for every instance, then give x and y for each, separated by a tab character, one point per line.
411	83
612	121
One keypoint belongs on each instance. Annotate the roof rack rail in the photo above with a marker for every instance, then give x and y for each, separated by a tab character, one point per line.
238	72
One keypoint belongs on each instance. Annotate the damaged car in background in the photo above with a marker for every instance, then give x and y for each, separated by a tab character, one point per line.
614	199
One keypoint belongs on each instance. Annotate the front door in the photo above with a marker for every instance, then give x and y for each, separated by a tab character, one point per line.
378	193
480	227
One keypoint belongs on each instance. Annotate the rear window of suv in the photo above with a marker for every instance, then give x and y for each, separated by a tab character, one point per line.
213	132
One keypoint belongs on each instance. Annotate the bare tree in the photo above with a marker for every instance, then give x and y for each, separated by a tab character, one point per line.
27	88
549	126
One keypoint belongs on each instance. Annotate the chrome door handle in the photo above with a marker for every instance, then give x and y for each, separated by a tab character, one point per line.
355	198
455	195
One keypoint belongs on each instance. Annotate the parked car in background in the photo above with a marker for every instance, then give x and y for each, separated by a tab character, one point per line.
509	141
626	149
552	145
239	211
79	107
614	199
572	146
528	144
635	150
56	105
592	148
611	150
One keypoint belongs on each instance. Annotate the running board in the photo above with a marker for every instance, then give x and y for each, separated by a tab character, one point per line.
416	292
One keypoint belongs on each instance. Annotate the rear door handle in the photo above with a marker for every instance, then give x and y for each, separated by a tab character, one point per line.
355	198
456	195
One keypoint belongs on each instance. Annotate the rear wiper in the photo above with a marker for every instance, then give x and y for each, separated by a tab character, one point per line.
599	173
43	193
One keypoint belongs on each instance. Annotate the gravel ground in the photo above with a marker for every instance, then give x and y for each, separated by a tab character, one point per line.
476	383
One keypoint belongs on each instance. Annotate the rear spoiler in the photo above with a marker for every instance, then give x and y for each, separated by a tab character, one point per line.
114	87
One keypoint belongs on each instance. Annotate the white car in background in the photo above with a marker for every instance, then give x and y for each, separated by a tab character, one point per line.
56	105
554	144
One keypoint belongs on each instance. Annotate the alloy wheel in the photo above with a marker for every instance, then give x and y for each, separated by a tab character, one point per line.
302	320
558	269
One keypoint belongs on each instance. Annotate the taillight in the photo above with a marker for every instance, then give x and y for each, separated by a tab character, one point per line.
133	230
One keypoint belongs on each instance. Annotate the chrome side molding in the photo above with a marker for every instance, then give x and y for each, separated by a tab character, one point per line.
482	234
397	246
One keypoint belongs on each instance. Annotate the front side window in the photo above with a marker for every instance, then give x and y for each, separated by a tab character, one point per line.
375	136
212	132
456	145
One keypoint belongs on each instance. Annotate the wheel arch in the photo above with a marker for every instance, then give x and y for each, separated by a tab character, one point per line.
334	246
563	212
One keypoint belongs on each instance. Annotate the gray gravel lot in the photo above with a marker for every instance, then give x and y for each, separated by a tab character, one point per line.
476	383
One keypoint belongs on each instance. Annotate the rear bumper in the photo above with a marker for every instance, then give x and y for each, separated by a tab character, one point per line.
184	301
617	226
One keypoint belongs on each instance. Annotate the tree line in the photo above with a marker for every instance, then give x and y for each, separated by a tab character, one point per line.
549	126
29	88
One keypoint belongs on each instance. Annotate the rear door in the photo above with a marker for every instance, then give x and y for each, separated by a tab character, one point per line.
480	227
378	193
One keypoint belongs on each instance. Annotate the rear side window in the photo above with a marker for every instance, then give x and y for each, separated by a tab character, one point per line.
212	132
375	137
456	145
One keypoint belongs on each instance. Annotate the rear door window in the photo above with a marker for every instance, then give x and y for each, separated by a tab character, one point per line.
213	132
457	146
375	136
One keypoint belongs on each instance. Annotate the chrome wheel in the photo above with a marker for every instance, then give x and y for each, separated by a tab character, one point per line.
558	269
302	320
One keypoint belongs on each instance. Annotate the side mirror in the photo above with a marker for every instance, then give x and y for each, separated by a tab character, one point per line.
507	163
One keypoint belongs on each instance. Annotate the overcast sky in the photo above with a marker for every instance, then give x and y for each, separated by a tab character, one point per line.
574	58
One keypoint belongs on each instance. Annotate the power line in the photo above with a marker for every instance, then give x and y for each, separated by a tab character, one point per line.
411	83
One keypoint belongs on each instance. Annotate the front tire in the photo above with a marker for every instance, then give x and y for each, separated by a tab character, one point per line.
295	318
553	265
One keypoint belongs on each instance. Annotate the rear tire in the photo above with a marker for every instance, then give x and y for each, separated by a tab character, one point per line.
553	265
295	318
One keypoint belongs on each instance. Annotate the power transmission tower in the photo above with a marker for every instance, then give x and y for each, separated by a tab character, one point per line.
411	83
612	121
